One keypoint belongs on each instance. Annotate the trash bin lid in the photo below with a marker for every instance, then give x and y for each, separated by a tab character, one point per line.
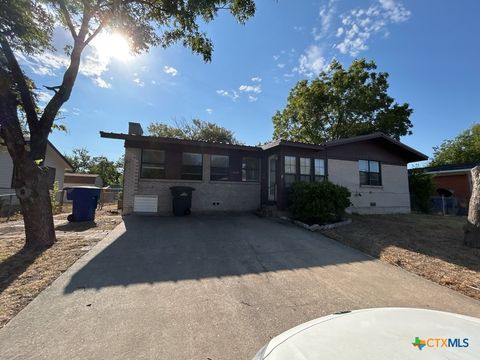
81	187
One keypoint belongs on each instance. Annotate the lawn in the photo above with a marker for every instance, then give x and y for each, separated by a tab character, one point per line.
428	245
23	275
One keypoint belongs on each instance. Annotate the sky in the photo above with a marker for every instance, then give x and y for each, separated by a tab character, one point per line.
429	48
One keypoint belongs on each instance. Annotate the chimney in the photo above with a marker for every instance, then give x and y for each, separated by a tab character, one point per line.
135	129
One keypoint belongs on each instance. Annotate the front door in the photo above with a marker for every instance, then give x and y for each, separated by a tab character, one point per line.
272	178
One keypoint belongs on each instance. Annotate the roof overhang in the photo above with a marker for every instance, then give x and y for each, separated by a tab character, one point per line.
166	140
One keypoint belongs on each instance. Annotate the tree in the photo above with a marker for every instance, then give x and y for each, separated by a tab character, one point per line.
341	103
421	187
27	28
196	130
472	227
109	171
464	148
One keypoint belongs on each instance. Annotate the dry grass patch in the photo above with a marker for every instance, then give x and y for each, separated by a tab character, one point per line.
427	245
23	275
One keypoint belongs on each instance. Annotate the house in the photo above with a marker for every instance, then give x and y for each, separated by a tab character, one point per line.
455	178
244	178
56	162
74	179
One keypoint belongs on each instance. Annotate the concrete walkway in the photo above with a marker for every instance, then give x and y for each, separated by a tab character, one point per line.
206	288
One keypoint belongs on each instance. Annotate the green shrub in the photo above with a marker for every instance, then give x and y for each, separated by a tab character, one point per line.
56	206
319	202
422	188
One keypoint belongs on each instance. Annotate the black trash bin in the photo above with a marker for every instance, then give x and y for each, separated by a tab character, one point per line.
181	200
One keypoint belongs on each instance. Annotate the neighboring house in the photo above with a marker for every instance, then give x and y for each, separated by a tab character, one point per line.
244	178
56	162
455	178
74	179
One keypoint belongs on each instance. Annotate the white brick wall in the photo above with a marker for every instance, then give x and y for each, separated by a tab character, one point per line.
392	197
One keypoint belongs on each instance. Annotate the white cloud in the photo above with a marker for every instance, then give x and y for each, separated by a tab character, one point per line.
281	66
170	70
312	62
138	82
101	83
252	98
360	24
326	16
232	94
44	97
256	79
209	111
276	57
256	89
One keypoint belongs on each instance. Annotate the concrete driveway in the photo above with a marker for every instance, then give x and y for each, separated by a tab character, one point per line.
206	288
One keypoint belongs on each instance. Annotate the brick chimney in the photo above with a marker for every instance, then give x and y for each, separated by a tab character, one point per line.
135	129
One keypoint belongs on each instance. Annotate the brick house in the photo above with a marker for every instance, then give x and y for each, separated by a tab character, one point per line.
244	178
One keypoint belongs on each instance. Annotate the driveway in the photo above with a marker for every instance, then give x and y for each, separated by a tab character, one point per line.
206	288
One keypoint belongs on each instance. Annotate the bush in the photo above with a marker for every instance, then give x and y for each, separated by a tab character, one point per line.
422	188
319	202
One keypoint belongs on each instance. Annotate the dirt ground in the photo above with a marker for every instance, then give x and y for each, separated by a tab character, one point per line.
23	275
428	245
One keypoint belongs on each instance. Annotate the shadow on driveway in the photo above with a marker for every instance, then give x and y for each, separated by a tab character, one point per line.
160	249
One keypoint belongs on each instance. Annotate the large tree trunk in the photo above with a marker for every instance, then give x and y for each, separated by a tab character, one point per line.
32	188
472	228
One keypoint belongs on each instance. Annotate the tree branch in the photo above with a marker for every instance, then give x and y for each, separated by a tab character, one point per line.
28	102
68	20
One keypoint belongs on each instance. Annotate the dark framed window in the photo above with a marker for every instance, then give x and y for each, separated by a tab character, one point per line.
192	165
319	170
370	173
153	164
305	169
290	170
219	167
250	169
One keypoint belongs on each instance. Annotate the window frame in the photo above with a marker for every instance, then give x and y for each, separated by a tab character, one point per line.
369	172
319	177
225	174
192	175
286	174
246	169
157	165
305	176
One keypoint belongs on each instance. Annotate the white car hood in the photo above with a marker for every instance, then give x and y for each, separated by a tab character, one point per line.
379	334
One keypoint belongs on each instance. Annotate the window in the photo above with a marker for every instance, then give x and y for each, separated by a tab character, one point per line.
305	169
219	167
191	166
153	164
250	169
319	170
370	172
290	170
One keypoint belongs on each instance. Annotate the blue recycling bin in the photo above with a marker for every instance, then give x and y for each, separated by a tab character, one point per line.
85	200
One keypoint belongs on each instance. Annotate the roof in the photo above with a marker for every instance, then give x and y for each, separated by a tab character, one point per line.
62	157
448	168
82	175
168	140
411	154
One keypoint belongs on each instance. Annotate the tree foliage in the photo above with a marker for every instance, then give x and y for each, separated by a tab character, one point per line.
340	103
110	171
464	148
319	202
422	188
196	130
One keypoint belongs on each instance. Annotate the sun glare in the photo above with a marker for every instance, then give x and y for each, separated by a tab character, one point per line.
113	45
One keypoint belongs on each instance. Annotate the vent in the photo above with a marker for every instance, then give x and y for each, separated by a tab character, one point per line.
145	204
